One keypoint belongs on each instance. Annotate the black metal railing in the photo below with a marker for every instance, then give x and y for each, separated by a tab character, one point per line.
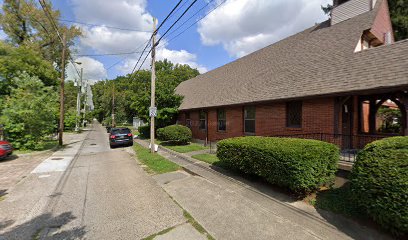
349	144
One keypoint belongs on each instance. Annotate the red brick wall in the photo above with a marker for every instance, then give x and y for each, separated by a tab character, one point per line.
382	23
317	117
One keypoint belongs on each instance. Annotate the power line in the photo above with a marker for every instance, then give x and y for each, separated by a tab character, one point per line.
49	16
191	17
167	17
178	19
197	21
106	54
116	63
102	25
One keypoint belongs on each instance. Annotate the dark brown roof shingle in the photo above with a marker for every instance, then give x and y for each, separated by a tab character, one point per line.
318	61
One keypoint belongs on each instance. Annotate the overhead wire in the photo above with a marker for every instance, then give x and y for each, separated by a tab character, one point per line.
49	17
167	17
102	25
178	19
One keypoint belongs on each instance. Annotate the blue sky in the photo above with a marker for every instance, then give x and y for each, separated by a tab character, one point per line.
236	28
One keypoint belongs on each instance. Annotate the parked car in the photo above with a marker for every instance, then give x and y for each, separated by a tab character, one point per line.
5	149
120	136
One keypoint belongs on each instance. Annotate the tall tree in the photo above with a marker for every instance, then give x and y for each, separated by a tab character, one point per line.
27	24
15	60
30	112
399	18
133	97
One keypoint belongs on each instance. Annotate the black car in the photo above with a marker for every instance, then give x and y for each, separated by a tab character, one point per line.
120	136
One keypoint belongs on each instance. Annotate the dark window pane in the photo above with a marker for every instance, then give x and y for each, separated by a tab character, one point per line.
249	112
188	123
202	115
294	114
222	126
222	120
249	126
202	125
187	115
120	130
203	120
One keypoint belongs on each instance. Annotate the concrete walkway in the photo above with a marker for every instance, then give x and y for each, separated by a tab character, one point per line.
230	207
89	191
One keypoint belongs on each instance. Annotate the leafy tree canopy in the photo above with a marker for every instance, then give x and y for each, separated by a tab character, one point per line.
15	60
26	24
30	112
132	97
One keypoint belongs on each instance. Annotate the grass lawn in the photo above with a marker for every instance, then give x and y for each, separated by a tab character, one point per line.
185	148
156	163
208	158
47	145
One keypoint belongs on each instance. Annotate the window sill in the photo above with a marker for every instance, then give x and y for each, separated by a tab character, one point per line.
294	128
249	134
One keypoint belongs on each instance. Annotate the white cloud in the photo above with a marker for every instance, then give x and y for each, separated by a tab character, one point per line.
93	70
131	14
243	26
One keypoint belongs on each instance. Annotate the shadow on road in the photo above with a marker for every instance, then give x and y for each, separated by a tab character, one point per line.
44	226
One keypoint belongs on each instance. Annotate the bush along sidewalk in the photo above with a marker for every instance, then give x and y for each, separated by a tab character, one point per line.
379	183
300	165
175	134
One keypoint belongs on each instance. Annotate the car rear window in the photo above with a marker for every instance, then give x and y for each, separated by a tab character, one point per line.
120	131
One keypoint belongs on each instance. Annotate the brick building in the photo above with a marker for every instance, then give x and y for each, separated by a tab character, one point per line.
312	85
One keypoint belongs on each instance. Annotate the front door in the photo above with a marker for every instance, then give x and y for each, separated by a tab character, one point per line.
347	123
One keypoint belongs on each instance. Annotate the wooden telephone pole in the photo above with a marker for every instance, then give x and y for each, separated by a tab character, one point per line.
153	110
61	120
113	105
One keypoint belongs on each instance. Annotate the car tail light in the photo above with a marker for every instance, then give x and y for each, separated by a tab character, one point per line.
129	134
113	136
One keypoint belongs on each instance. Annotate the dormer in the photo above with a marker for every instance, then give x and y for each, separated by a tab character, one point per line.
346	9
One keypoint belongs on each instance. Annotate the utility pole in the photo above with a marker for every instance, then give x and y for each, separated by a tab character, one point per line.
61	120
153	110
85	101
79	102
113	105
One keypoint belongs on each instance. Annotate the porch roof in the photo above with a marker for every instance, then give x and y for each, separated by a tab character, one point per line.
318	61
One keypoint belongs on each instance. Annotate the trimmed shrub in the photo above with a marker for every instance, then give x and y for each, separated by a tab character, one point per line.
298	164
176	134
144	131
379	182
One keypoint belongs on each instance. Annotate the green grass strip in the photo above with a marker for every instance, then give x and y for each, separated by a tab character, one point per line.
186	148
156	163
208	158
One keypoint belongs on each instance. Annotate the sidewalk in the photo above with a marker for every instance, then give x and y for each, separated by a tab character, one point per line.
230	207
26	199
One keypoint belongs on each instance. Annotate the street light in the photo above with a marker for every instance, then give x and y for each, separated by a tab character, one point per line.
78	100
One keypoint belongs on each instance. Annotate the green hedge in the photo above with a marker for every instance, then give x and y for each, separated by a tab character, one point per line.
144	131
298	164
379	182
176	134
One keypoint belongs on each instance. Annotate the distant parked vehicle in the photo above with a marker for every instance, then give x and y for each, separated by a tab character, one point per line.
5	149
120	136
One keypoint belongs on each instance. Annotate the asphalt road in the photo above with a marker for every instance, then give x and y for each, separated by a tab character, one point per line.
94	192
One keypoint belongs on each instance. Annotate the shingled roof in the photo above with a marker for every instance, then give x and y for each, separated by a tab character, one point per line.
316	62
